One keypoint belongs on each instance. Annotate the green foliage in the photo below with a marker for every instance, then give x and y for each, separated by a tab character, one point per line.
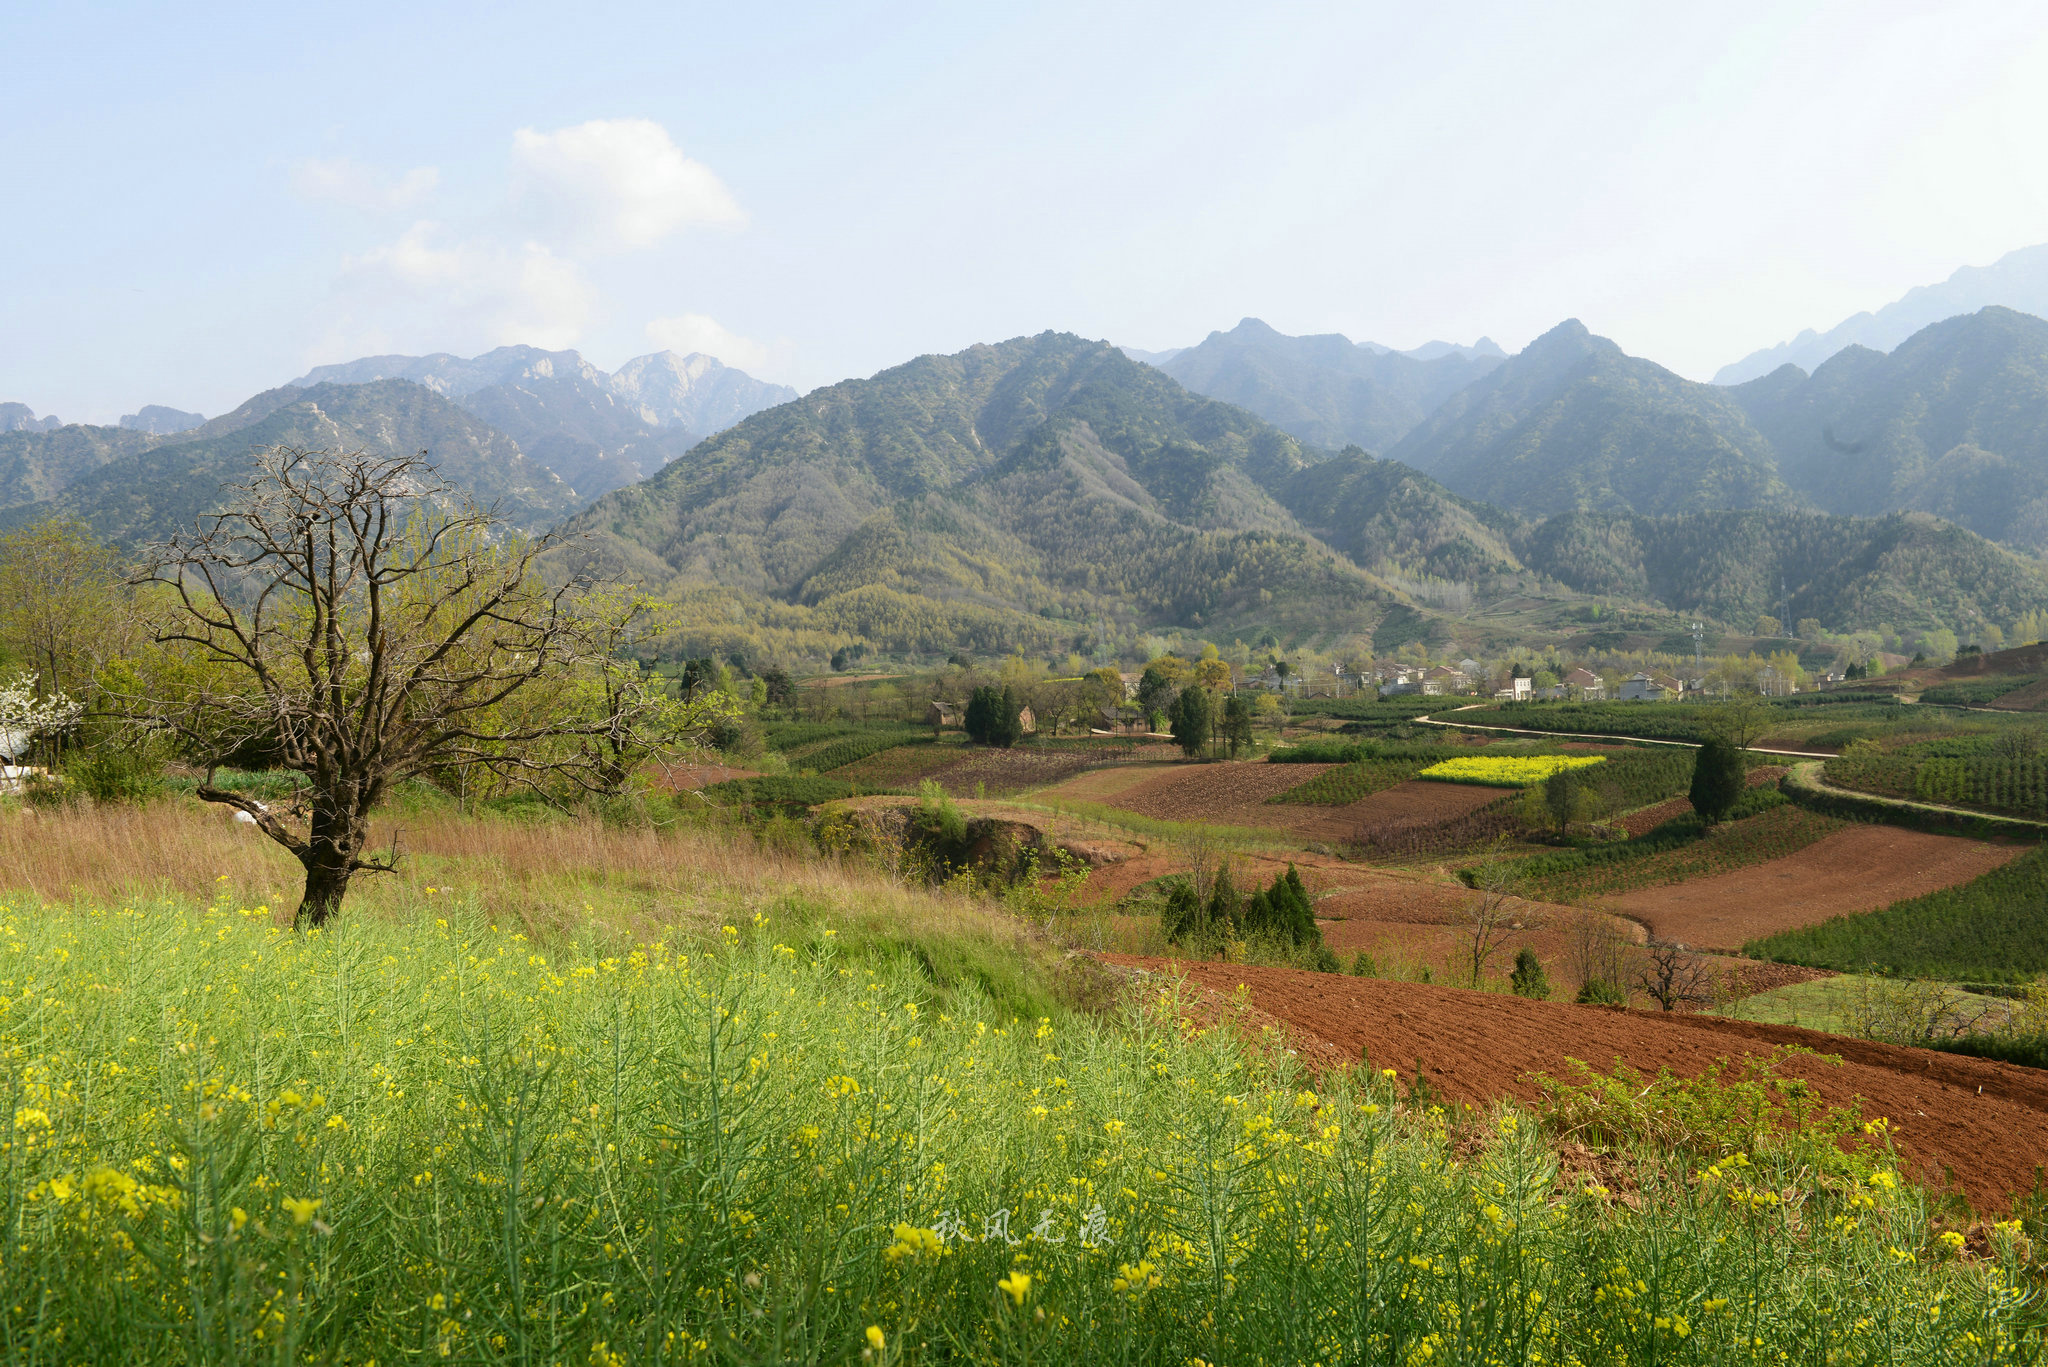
781	790
938	818
489	1163
1236	728
1600	992
1529	979
1743	1110
993	717
1362	966
1992	929
1717	780
1192	717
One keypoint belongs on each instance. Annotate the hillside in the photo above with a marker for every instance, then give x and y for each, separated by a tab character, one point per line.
2017	280
1954	422
1907	570
598	432
146	492
35	463
1030	487
1381	513
1572	423
1326	390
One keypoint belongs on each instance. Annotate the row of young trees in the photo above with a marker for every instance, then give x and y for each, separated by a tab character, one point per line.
348	618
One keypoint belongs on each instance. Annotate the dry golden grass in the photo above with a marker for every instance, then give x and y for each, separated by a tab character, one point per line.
553	878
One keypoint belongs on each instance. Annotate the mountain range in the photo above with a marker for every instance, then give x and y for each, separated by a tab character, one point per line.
599	432
2018	280
1042	492
1021	492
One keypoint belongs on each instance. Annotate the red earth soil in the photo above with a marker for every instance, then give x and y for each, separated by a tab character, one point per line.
1983	1124
1860	868
676	777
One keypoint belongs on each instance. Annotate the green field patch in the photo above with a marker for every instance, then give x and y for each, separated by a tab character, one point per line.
1993	928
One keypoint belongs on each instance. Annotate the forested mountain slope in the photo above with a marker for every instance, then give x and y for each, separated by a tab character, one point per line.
1954	422
1908	570
1048	477
1572	423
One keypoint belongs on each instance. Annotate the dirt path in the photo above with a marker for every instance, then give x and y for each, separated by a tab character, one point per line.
1858	869
1985	1122
1586	735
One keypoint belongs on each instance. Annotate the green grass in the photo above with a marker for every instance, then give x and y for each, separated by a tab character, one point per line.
1832	1004
1993	928
784	790
433	1139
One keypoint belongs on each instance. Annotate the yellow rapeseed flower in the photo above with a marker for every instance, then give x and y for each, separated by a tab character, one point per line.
1017	1286
876	1340
302	1208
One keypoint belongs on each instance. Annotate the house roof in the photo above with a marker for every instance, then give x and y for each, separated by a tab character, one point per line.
1580	678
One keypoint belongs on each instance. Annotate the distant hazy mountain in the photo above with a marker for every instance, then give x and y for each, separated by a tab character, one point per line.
1430	351
159	421
19	417
1953	422
597	431
157	487
2017	280
1328	390
1573	423
1152	358
36	463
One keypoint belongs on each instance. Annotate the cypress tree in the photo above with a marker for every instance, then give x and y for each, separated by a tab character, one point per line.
1717	780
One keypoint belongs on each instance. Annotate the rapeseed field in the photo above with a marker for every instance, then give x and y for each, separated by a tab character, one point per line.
1506	771
431	1139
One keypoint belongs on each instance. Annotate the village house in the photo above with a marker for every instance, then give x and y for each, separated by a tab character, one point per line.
942	716
1649	688
1447	679
1518	690
1584	685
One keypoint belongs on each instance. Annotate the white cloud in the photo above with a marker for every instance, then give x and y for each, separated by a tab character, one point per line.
345	180
457	293
617	182
688	332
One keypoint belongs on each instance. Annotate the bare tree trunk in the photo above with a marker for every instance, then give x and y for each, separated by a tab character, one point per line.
330	857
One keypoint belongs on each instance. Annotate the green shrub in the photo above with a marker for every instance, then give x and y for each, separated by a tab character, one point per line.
1529	979
1600	992
1363	966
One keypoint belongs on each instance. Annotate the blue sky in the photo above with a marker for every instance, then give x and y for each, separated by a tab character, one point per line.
205	201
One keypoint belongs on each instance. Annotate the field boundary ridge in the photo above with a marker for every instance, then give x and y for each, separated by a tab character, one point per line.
1804	785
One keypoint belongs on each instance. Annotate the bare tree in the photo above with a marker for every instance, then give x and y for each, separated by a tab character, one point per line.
1740	720
1493	910
1673	976
1596	950
339	617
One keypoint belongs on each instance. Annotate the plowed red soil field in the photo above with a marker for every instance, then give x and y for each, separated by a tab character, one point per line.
1418	802
1861	868
1986	1123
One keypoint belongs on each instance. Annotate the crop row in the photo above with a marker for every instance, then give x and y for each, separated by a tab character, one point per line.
1994	782
1993	928
852	749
